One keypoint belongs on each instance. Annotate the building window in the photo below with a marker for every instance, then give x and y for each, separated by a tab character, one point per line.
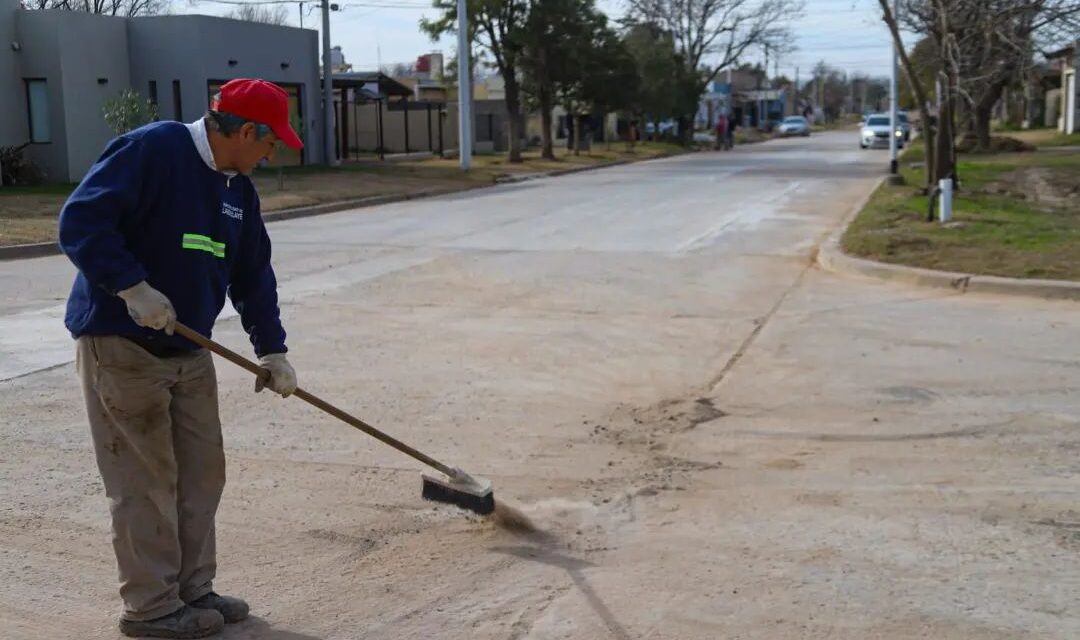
178	110
37	103
153	92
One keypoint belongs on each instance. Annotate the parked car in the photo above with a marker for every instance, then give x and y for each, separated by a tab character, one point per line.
794	126
876	130
706	137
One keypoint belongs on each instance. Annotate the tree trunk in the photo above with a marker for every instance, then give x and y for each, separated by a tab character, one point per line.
577	135
513	112
547	150
945	162
929	142
983	118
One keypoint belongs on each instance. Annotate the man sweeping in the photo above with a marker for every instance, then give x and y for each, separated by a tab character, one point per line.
161	228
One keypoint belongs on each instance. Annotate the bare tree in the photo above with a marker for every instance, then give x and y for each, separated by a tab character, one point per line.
711	35
714	34
922	96
128	8
265	13
986	46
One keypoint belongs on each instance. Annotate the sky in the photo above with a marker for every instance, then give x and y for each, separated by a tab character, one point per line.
847	34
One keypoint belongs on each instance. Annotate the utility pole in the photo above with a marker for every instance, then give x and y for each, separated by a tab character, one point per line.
894	165
464	89
328	88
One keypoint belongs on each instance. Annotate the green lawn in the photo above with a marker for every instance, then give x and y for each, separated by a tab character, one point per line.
1016	214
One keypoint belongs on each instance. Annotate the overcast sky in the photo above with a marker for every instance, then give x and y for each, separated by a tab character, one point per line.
848	34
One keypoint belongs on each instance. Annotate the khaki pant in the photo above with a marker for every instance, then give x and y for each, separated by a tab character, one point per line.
157	438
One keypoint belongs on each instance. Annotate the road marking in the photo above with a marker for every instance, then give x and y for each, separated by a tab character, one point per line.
756	212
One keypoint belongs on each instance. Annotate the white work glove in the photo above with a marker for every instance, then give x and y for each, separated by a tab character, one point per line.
279	375
149	307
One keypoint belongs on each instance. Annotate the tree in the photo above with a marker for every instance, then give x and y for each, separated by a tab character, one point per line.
986	46
128	111
265	13
553	40
711	35
498	27
831	90
572	56
925	64
929	115
603	78
128	8
659	70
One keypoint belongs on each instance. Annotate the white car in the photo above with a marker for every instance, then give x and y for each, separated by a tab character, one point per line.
875	132
794	126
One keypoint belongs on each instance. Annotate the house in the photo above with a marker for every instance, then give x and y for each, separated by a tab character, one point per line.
375	113
59	68
714	101
1067	61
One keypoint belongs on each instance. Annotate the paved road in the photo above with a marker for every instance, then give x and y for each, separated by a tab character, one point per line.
720	440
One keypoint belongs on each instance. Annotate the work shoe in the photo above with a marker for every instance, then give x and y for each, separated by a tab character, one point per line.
232	609
186	622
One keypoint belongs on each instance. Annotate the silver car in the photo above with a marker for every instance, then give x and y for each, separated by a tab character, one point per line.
794	126
875	132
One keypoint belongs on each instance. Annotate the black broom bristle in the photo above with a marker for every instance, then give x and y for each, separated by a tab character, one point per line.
436	491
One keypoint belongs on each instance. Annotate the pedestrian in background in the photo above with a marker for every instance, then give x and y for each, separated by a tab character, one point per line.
721	132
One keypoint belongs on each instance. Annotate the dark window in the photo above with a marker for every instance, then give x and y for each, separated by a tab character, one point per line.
153	95
37	104
178	110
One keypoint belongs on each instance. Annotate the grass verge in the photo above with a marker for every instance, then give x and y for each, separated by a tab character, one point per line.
1015	215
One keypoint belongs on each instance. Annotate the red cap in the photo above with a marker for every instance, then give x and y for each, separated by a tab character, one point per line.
259	101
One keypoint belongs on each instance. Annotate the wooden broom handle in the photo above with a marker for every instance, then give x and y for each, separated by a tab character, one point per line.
311	399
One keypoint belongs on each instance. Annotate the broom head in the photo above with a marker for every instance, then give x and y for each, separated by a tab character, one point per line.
461	490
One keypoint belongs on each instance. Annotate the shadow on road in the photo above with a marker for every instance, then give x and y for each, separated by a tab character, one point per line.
255	628
574	568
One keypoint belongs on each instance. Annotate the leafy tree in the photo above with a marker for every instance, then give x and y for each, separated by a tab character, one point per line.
658	71
498	27
572	56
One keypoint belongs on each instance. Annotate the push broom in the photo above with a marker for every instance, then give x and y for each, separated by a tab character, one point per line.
458	488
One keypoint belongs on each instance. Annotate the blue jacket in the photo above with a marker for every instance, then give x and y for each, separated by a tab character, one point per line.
151	209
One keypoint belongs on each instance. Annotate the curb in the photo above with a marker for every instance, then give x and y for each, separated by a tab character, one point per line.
25	251
42	249
526	177
831	257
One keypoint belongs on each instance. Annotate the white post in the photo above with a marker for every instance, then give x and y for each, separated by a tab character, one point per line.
464	89
328	88
894	165
945	201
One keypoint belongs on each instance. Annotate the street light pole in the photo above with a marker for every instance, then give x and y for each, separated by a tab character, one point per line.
464	89
894	166
328	89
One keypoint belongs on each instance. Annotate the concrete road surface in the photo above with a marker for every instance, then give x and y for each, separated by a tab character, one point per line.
719	440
